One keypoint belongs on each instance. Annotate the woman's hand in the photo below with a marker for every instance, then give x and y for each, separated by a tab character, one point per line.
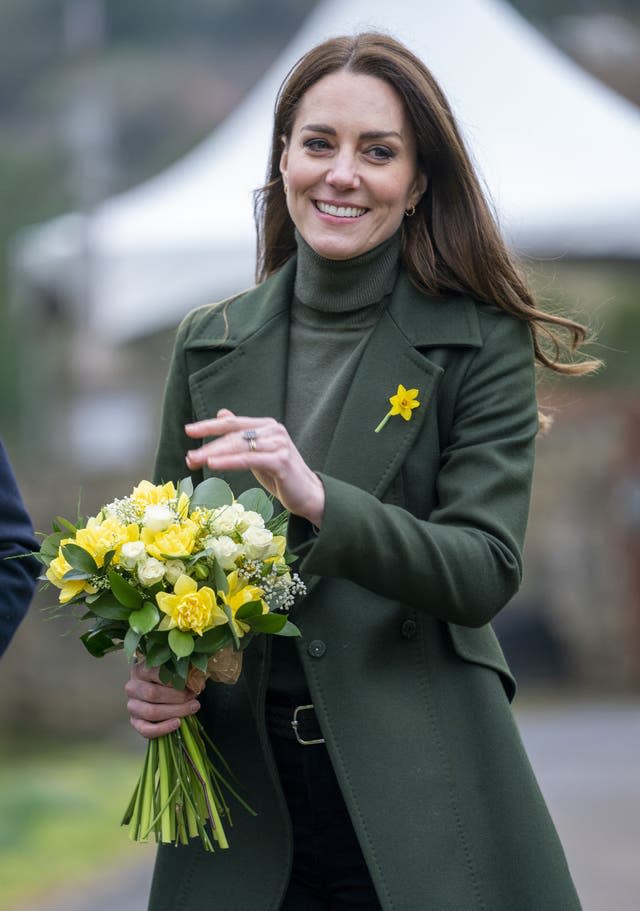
156	709
270	455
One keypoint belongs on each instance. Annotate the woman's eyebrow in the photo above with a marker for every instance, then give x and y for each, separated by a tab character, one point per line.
369	134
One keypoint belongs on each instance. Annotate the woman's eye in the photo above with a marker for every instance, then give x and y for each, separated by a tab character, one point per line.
316	145
382	153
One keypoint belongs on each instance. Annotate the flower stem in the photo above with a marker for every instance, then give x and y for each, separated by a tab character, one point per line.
194	755
382	422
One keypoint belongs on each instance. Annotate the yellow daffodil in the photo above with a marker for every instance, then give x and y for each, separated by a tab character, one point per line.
241	593
174	542
69	588
98	538
402	403
148	494
191	609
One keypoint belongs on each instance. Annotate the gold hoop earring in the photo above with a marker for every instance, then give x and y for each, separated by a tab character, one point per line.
410	212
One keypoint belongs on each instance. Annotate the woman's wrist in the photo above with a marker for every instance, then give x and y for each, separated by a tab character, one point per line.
314	511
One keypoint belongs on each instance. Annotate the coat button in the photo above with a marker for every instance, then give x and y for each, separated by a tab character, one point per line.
409	629
317	648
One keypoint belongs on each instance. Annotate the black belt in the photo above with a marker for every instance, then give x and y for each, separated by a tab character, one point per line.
293	722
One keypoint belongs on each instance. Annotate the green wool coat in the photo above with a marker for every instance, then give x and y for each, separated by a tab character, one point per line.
420	546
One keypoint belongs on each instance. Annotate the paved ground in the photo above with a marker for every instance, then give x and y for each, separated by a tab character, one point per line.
587	758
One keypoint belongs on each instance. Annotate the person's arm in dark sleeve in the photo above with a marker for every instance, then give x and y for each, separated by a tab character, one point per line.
17	576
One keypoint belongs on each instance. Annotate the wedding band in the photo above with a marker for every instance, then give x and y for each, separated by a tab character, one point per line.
250	436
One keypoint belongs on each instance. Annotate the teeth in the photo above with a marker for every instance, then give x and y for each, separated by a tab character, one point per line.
340	211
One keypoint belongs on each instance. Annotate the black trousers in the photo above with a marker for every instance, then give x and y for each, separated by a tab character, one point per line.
329	872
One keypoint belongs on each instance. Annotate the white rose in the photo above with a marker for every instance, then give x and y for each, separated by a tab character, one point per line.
251	519
150	572
257	542
158	517
131	553
173	569
225	518
225	550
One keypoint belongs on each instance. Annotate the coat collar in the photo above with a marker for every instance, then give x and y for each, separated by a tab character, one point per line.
251	377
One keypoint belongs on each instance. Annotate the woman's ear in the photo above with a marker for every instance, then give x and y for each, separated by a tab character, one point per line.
418	189
284	157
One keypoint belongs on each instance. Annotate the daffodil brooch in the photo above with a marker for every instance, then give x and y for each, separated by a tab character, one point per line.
402	403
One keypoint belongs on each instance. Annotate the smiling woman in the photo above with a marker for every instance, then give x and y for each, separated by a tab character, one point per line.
387	769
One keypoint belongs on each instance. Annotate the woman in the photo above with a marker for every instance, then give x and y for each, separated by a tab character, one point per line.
379	266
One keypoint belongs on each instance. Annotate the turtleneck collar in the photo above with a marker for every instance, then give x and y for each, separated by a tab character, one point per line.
340	286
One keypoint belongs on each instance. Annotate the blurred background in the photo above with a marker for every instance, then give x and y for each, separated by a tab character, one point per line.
131	135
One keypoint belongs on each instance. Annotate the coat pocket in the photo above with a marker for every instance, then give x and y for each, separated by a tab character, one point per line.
480	645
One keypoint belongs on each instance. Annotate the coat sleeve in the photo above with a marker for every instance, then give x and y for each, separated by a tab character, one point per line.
17	576
173	443
464	563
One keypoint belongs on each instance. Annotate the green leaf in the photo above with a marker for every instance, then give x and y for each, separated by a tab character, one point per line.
219	577
61	522
125	593
79	558
267	623
157	653
181	643
212	493
289	629
231	627
250	609
51	545
131	641
257	500
214	639
143	620
108	557
76	574
185	486
98	643
106	606
200	661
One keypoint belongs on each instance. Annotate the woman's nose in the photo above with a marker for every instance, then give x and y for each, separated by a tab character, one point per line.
343	173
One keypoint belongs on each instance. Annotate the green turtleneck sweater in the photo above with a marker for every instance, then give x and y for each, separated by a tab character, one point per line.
335	306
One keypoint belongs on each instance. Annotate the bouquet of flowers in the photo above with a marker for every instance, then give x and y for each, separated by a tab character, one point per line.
182	579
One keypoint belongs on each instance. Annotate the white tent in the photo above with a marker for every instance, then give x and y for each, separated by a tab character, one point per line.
558	151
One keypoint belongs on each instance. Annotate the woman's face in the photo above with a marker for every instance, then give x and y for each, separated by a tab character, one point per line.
350	165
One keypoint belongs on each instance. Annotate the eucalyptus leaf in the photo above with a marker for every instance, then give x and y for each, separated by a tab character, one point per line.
51	545
125	593
143	620
256	500
131	641
79	558
289	629
180	643
185	486
211	493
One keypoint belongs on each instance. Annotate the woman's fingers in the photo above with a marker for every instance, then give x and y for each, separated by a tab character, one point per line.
155	709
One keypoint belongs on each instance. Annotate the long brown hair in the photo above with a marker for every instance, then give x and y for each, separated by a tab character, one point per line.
452	243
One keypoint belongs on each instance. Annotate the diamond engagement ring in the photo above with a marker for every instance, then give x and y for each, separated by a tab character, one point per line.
250	436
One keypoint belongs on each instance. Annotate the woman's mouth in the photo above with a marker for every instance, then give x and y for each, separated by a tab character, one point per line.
339	211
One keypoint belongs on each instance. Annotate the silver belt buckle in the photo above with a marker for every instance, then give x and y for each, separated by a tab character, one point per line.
294	725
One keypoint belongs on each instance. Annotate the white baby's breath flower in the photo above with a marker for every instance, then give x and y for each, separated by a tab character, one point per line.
173	570
131	553
257	541
225	550
226	518
150	572
158	517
